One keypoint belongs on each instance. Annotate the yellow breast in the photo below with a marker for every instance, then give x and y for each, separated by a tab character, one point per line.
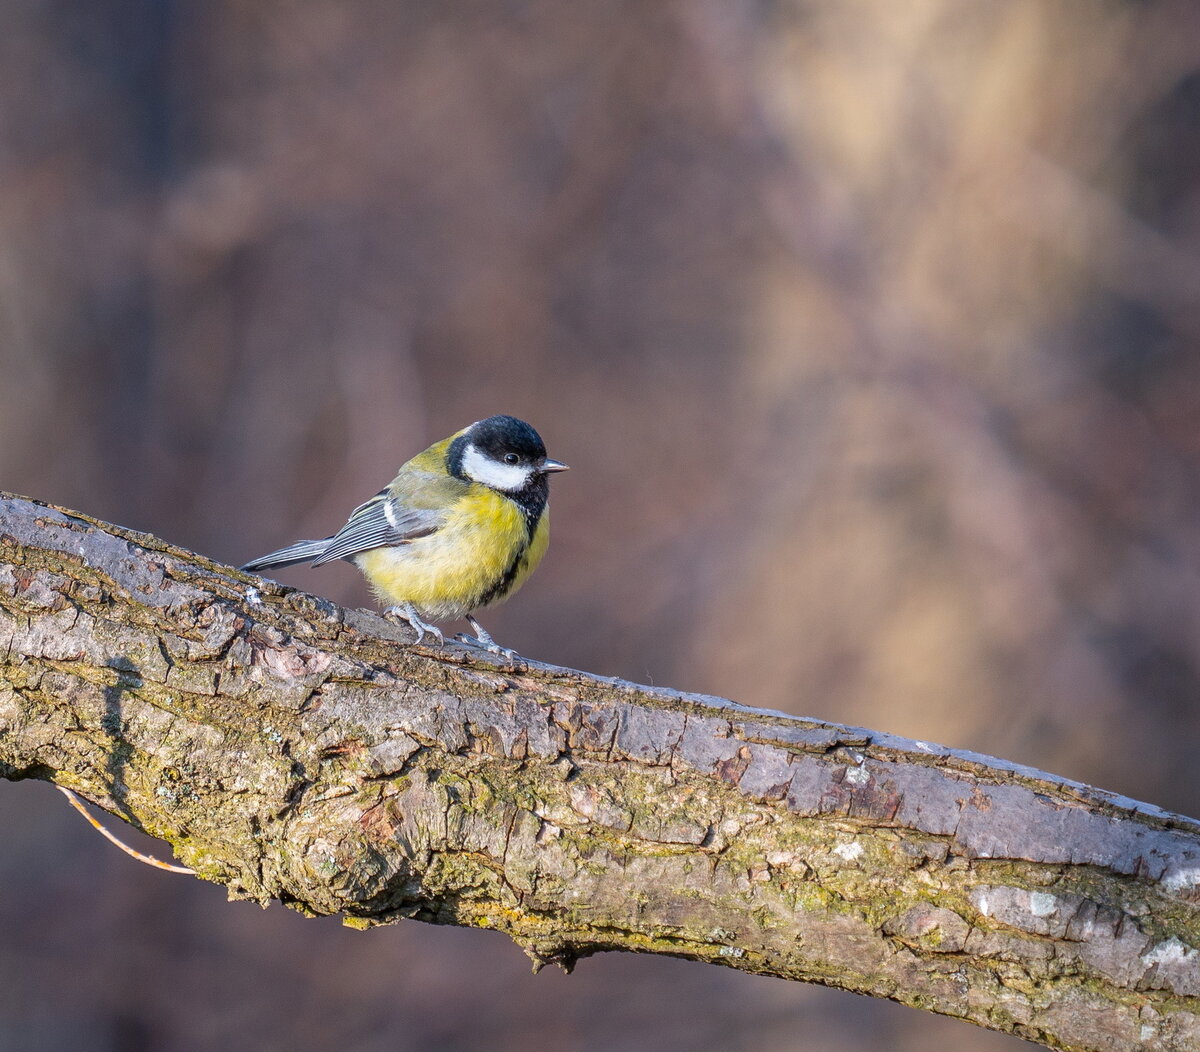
481	555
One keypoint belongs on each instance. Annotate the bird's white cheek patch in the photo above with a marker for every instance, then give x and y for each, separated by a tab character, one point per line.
507	477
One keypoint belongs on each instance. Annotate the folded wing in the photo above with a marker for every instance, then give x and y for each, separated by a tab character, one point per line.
379	523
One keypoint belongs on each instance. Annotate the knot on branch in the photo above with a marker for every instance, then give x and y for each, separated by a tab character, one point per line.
544	951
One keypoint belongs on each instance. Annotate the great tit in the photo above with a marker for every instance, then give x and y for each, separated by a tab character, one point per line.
462	526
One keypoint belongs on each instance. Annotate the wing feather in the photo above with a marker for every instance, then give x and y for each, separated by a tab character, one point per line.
380	522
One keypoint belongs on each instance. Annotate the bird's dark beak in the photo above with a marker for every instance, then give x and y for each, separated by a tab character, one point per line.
549	465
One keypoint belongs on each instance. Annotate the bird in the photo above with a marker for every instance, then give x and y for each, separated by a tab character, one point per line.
461	526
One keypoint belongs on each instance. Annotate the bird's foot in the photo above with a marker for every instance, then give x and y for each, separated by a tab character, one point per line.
484	641
490	646
405	612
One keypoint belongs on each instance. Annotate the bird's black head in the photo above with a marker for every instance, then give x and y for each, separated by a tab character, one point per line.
504	453
501	437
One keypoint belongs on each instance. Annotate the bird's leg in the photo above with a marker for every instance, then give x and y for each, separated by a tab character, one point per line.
484	641
407	613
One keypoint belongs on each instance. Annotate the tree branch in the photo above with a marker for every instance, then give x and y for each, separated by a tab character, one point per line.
294	750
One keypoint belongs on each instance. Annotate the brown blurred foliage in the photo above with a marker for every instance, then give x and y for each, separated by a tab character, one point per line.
870	330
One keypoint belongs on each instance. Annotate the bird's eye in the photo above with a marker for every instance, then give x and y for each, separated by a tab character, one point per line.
511	458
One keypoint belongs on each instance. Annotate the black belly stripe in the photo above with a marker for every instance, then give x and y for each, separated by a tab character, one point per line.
532	503
501	588
532	517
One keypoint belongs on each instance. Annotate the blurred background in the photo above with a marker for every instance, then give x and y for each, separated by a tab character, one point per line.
869	329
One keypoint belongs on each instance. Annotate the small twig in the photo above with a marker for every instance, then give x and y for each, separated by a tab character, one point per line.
150	860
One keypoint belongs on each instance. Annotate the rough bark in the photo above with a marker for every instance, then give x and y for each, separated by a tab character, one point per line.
293	750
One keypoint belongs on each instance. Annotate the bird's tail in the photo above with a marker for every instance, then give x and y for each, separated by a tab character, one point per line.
300	552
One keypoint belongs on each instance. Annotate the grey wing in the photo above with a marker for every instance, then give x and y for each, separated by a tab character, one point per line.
380	522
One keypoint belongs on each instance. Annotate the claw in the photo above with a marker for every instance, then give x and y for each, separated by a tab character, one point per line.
484	641
488	645
406	613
